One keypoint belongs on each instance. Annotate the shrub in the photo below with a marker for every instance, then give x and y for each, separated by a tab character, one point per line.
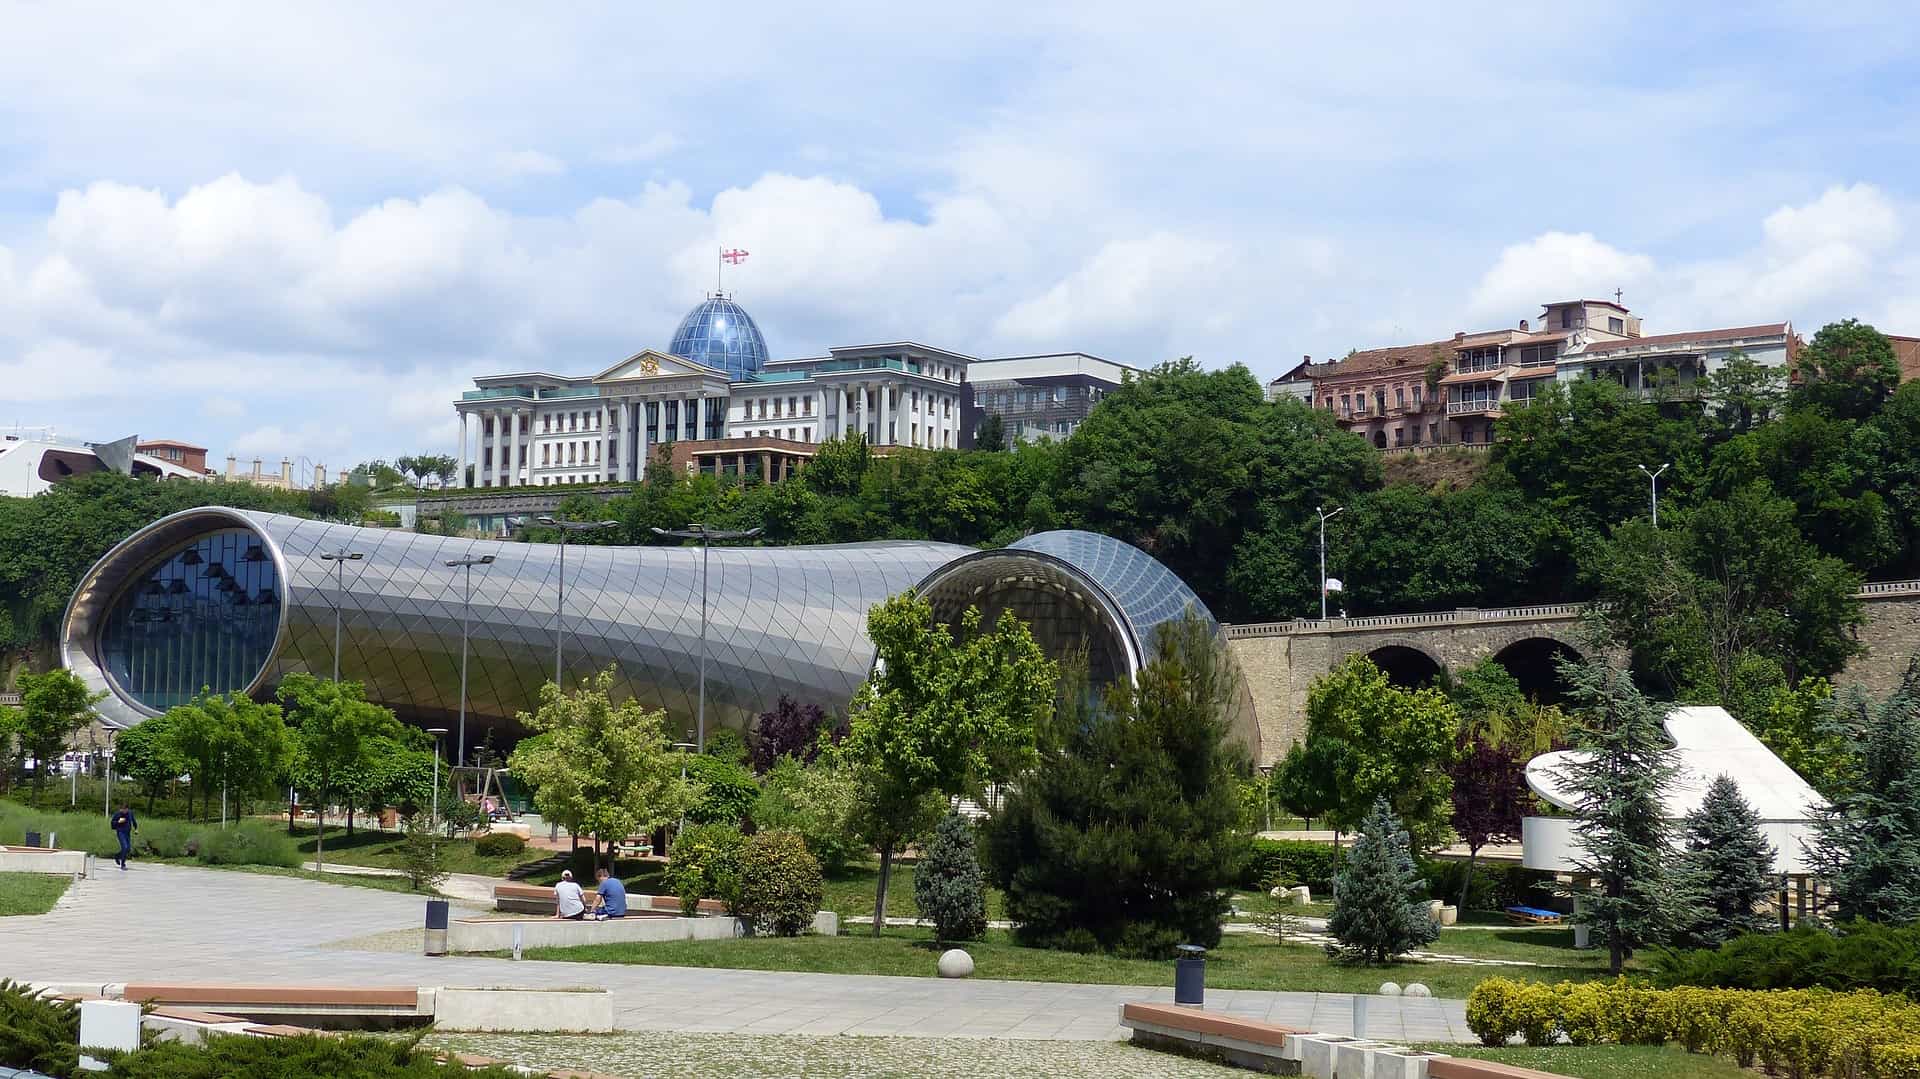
948	886
728	745
499	845
727	791
780	887
705	864
1864	955
792	730
248	842
1297	860
37	1033
1379	911
420	858
1494	887
306	1055
818	802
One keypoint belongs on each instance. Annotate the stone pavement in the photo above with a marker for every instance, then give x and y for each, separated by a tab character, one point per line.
173	923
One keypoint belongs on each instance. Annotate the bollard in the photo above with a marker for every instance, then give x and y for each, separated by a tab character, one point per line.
1190	976
517	927
436	942
107	1025
1359	1015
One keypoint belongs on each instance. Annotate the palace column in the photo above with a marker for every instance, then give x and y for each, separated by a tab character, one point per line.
600	452
699	419
819	415
461	476
513	448
861	411
886	414
490	447
637	466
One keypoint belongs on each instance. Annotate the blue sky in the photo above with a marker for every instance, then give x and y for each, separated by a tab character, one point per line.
297	233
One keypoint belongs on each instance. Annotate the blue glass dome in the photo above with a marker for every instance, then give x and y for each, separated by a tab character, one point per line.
720	334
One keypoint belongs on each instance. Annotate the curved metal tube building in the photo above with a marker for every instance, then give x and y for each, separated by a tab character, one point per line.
234	600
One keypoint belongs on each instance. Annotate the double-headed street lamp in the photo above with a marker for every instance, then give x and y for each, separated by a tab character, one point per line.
339	558
466	609
1653	484
566	528
706	536
1324	518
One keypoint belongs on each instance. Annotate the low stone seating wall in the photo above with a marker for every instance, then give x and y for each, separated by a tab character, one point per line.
320	1002
73	863
538	899
1278	1050
496	934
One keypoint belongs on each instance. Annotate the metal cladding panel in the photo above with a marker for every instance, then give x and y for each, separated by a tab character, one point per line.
1147	592
786	620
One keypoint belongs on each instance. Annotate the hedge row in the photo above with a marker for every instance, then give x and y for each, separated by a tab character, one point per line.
241	842
1495	887
1863	955
1803	1033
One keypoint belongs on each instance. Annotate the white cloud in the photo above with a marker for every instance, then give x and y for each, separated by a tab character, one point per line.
223	408
515	164
1554	266
651	148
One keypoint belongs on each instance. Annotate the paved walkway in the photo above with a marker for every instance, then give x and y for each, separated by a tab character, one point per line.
180	924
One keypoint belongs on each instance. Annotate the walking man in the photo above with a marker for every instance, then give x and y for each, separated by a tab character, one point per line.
124	827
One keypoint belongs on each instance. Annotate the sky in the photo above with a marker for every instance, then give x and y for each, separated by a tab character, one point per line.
299	230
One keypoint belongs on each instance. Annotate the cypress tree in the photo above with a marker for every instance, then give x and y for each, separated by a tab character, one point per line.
948	886
1125	836
1868	838
1728	867
1380	908
1621	831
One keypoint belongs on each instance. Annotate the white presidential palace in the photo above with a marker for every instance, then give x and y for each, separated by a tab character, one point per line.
714	401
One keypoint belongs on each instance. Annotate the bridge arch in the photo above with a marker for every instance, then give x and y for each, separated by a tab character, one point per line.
1405	662
1533	660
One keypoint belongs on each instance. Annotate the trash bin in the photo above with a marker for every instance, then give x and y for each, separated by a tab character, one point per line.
33	839
1190	976
436	942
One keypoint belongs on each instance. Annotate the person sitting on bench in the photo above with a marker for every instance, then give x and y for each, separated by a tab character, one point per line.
568	902
611	895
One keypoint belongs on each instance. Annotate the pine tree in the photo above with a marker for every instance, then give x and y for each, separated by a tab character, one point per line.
1869	837
1125	837
1380	909
1728	866
1621	829
948	886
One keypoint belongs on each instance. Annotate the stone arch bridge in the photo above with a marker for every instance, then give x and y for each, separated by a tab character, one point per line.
1281	659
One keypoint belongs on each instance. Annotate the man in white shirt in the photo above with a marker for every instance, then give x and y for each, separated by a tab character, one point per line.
568	902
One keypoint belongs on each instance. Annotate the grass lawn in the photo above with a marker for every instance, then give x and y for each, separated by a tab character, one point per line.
1608	1061
30	893
1241	962
382	849
850	895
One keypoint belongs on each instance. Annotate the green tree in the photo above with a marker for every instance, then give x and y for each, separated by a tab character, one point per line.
992	434
1368	739
1726	579
1848	370
231	743
1125	836
1796	722
54	707
948	887
1728	867
1620	813
600	769
1744	394
1868	838
336	733
1573	451
1380	908
818	802
945	713
11	724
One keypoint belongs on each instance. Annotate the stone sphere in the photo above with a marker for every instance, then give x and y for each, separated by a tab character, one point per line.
1389	989
1415	989
955	963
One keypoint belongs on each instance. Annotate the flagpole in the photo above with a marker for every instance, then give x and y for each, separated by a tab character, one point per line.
719	262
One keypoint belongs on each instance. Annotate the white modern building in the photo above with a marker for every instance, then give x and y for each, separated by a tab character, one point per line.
33	459
714	401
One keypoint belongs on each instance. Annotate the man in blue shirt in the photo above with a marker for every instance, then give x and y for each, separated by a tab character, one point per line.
123	829
613	895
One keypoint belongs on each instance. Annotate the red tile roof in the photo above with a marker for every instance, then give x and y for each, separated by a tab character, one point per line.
1382	359
1700	337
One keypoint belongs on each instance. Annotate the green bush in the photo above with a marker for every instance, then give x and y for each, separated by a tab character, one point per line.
1298	860
780	885
1863	955
817	801
728	791
293	1058
705	864
499	845
36	1032
247	841
1494	887
948	886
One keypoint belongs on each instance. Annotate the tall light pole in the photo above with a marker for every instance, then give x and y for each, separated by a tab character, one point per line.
466	610
566	528
437	732
1324	518
339	558
107	799
1653	484
706	536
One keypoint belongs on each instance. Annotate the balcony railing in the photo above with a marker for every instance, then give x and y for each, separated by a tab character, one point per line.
1468	408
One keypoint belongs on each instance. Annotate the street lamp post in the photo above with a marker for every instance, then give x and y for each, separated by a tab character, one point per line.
566	528
437	732
1324	518
339	558
683	747
706	536
106	800
466	610
1653	485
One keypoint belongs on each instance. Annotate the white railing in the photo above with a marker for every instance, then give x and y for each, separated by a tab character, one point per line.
1488	405
1545	612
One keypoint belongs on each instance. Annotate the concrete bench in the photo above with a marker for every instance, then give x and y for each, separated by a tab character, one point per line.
1265	1047
1468	1068
538	899
328	1003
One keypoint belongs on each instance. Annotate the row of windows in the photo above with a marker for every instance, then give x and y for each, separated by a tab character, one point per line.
582	453
570	421
1355	404
1029	398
